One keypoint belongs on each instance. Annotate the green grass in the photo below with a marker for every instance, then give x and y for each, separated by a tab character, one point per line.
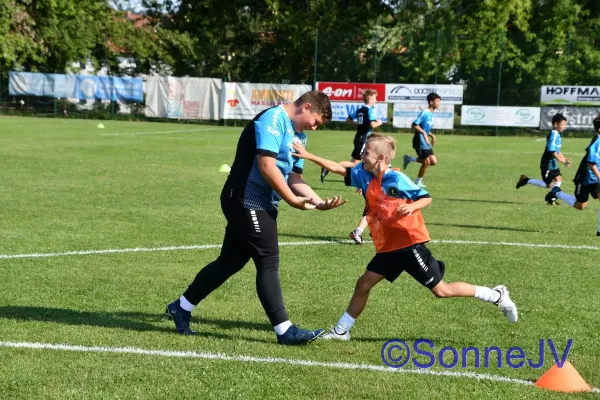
65	187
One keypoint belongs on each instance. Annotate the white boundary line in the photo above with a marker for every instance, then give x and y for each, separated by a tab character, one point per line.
157	132
266	360
305	243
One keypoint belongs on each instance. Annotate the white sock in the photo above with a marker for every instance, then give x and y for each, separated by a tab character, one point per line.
282	327
598	221
344	324
486	294
185	304
359	230
537	182
418	180
567	198
556	184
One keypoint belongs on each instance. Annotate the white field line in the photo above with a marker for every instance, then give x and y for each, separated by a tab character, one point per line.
264	360
305	243
157	132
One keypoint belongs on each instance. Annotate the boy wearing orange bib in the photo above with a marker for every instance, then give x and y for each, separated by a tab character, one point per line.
399	233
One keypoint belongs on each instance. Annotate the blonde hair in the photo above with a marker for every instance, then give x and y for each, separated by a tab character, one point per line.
385	145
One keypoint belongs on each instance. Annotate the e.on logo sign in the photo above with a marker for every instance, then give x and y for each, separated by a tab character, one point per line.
344	91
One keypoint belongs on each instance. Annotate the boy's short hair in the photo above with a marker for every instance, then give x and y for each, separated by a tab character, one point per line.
385	145
597	123
319	101
432	96
558	118
368	93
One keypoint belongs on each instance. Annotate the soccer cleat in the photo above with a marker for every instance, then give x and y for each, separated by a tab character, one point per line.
357	237
523	179
506	305
180	317
324	173
296	336
421	185
405	161
551	196
597	233
333	334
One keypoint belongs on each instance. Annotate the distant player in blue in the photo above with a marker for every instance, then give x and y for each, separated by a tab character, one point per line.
587	178
263	173
367	119
423	139
551	175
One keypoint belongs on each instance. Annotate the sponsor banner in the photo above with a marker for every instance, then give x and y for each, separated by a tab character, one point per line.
578	95
76	86
245	100
183	98
578	118
109	88
500	116
341	110
411	94
344	91
37	84
405	114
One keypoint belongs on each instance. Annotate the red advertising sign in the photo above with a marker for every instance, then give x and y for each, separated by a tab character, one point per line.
344	91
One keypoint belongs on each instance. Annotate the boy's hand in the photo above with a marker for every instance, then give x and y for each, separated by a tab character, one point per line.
300	151
406	209
329	204
568	162
302	203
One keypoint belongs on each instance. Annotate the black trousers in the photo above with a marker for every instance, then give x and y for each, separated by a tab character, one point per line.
249	234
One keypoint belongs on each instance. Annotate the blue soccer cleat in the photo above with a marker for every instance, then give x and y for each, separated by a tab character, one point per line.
296	336
180	317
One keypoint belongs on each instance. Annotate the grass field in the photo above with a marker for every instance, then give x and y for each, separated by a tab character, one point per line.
67	186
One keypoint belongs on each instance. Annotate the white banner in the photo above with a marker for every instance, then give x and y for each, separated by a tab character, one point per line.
412	94
405	114
577	95
341	110
245	100
500	116
183	98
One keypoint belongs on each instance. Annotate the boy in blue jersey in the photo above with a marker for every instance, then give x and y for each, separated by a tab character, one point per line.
399	234
367	119
262	174
423	139
551	175
587	178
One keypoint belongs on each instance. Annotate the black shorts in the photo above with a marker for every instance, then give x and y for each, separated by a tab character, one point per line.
416	260
360	142
423	153
583	192
548	175
251	232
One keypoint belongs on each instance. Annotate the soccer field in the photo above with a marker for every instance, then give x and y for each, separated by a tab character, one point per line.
101	228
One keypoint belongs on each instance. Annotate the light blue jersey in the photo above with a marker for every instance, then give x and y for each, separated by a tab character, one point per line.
425	121
592	157
553	145
393	183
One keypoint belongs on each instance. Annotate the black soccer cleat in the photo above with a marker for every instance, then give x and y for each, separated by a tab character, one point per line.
297	336
551	195
324	173
523	179
180	317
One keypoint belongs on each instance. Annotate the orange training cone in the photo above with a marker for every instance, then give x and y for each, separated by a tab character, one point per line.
565	379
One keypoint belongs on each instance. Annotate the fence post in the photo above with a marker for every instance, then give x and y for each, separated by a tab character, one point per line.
499	76
316	55
55	107
567	59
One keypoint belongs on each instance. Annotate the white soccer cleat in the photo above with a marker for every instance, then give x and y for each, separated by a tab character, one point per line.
506	305
333	334
421	185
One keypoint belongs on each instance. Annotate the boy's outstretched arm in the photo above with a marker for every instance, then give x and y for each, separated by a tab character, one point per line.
329	165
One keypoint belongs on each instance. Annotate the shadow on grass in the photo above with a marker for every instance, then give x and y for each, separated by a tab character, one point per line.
336	239
492	228
483	201
135	321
